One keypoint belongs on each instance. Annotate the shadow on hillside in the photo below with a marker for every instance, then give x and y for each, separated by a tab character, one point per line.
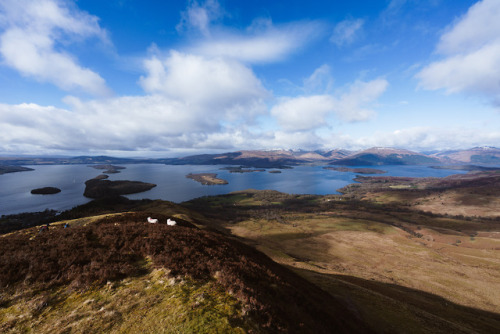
391	308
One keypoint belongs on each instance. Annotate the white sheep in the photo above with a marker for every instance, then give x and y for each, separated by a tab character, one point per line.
152	221
171	222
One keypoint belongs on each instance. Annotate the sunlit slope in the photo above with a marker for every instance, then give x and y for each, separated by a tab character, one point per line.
118	273
408	271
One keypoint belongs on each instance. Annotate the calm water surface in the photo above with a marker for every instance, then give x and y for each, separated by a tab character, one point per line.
172	185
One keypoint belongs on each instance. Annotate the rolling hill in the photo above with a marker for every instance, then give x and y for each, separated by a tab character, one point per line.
378	156
482	155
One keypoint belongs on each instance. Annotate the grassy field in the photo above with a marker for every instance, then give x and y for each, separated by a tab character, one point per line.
405	269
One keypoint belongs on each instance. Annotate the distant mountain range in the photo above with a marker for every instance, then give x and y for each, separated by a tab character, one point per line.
484	155
376	156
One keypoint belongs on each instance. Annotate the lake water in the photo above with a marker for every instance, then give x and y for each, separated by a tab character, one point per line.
172	185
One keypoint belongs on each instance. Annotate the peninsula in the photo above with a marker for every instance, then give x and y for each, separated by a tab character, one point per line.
13	169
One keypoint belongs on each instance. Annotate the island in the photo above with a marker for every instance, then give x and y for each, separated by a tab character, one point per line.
275	171
102	188
357	170
241	169
13	169
108	169
46	191
207	179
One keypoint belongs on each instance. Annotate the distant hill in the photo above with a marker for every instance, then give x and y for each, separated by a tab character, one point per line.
283	158
483	155
260	159
80	160
386	156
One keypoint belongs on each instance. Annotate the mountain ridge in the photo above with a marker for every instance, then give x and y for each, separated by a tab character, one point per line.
283	158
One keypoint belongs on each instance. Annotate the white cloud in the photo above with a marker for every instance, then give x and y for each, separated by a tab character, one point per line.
356	104
429	138
476	29
320	80
471	50
199	17
217	85
144	123
32	33
303	112
346	32
158	123
312	112
193	102
265	43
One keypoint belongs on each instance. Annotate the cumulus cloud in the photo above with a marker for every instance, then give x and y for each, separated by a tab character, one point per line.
471	55
147	123
310	112
345	32
217	85
303	112
356	104
192	102
32	33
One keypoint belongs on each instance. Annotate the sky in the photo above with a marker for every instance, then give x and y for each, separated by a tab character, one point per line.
169	78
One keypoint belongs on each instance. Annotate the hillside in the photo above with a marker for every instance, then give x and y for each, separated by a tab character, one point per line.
259	159
483	155
473	194
116	272
386	156
405	270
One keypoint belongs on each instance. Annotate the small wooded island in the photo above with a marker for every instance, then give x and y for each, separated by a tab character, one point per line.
108	169
46	191
99	187
242	169
207	179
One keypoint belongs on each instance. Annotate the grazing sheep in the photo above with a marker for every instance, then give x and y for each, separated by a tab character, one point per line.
171	222
152	221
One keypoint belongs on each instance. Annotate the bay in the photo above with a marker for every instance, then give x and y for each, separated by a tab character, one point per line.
172	185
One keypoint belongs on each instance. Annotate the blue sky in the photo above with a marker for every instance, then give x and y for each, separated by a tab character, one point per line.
166	78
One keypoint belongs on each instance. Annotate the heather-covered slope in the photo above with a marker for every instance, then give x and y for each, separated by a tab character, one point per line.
60	265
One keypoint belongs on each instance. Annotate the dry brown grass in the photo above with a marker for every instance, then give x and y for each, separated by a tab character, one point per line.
335	242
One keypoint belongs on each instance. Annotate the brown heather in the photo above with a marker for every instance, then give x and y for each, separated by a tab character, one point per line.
121	246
